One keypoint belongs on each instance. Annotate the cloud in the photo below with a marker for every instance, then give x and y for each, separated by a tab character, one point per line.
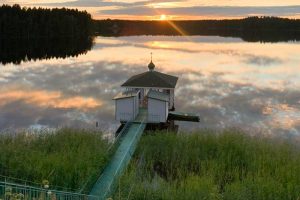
48	99
57	97
207	11
100	3
262	60
148	43
220	101
119	8
84	3
63	95
225	104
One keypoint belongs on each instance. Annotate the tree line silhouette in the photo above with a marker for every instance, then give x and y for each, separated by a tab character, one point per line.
37	33
17	50
17	22
263	29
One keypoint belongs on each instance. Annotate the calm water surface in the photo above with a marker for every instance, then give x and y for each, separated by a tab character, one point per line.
228	82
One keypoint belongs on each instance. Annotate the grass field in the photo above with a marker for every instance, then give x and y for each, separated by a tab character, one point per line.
67	158
208	165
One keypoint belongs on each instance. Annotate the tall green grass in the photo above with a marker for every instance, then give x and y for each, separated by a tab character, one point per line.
67	158
208	165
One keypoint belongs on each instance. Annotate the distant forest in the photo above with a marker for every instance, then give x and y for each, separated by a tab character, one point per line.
39	33
264	29
35	33
17	22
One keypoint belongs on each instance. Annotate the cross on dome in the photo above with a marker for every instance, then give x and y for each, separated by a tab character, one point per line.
151	65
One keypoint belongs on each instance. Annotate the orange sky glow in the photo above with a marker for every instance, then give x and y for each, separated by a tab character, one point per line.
173	9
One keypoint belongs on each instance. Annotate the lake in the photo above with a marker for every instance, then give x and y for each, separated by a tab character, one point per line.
227	81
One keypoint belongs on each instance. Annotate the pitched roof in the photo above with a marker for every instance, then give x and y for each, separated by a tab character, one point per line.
158	95
151	79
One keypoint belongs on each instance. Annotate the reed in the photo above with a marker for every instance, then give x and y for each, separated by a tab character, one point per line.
67	159
210	165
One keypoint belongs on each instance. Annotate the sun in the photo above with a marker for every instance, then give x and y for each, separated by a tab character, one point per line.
163	17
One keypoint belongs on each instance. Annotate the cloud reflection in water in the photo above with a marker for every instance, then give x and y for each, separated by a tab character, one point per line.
230	83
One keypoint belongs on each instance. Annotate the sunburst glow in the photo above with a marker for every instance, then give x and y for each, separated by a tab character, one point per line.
163	17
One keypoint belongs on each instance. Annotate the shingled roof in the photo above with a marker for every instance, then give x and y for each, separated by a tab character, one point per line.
152	79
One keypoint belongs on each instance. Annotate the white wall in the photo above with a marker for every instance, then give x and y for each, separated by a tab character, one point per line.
157	110
126	108
167	110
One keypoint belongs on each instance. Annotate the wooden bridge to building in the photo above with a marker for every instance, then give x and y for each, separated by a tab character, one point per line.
128	139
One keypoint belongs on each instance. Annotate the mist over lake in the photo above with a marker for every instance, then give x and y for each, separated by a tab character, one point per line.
227	81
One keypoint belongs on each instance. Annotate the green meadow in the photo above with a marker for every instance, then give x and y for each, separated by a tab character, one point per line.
209	165
68	159
200	165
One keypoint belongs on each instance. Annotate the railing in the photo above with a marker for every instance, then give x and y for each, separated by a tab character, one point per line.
121	133
13	191
16	191
111	148
9	179
107	181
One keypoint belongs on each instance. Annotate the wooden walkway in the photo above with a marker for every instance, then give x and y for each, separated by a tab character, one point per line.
142	116
106	182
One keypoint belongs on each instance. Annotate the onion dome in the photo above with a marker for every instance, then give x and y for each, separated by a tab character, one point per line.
151	66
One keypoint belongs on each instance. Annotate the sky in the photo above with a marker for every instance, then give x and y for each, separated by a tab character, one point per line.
173	9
